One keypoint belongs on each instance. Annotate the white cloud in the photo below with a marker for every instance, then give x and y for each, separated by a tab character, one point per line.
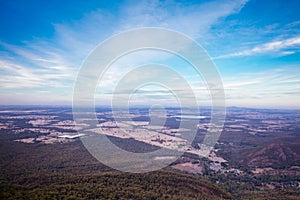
193	20
267	47
268	88
24	73
51	64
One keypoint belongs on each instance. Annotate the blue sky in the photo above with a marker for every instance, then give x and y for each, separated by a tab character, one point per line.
254	44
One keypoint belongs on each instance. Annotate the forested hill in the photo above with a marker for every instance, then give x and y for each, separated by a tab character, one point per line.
67	171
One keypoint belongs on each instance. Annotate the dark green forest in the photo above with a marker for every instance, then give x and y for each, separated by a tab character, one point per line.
68	171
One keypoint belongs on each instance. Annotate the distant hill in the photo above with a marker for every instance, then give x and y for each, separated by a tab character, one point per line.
273	155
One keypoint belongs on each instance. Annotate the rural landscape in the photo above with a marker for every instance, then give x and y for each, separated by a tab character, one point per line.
256	157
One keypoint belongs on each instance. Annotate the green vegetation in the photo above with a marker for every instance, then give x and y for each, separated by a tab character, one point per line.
67	171
113	185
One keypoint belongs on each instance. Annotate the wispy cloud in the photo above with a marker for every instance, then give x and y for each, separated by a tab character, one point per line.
50	64
274	46
30	67
267	88
194	20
